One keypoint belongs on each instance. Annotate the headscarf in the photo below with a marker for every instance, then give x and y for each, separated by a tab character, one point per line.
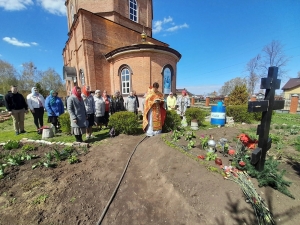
34	93
74	92
85	92
183	93
52	98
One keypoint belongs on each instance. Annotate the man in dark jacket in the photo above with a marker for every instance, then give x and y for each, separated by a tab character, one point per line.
17	107
137	102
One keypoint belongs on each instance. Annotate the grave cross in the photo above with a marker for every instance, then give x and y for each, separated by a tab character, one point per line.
271	83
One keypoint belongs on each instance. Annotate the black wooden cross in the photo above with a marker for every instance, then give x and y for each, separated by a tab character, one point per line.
271	83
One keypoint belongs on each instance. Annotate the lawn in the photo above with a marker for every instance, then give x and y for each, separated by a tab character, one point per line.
8	133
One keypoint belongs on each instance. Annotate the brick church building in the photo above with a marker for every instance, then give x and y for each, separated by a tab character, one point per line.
110	47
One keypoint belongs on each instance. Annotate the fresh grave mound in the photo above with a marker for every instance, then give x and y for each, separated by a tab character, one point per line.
161	186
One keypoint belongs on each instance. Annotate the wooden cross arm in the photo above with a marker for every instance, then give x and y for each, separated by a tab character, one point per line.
261	106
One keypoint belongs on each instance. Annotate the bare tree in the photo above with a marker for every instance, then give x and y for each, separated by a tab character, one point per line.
229	86
273	55
8	76
29	77
51	80
299	74
252	67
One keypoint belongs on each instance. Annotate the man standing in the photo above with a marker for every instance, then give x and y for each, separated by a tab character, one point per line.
17	107
131	103
137	102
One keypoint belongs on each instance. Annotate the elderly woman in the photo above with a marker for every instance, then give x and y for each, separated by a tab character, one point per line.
54	107
36	104
89	104
100	109
77	113
107	101
117	102
182	103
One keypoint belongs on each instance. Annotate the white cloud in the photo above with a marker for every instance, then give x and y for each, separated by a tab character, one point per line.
34	43
177	27
157	26
13	5
15	42
56	7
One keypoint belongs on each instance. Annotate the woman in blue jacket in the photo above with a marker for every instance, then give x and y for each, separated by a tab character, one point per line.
54	107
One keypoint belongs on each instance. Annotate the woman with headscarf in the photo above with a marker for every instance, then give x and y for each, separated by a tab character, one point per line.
100	109
36	104
107	101
55	108
77	113
154	111
89	104
183	102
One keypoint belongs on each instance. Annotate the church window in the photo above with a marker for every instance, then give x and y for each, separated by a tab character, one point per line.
72	13
125	81
167	79
81	77
133	10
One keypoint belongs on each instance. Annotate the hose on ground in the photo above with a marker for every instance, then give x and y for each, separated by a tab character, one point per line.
117	187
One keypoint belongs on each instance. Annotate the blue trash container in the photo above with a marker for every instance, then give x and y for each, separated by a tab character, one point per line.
218	114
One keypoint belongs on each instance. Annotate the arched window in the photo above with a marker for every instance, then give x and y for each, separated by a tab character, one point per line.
167	79
133	10
125	80
81	77
72	13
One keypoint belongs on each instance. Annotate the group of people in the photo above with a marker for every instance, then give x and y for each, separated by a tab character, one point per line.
87	109
17	107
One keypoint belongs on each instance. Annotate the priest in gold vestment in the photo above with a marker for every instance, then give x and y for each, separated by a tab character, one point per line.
154	111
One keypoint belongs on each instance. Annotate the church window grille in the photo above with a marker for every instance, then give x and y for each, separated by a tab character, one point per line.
133	10
125	81
81	76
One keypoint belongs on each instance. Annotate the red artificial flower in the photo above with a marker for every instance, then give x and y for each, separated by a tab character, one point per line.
231	152
200	156
242	163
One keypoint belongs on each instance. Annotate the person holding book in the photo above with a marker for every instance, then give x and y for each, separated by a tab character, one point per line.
154	111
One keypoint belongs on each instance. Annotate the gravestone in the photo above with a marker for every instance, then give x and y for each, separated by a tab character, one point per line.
271	83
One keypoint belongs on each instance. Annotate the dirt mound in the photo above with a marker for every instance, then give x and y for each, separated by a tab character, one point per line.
161	186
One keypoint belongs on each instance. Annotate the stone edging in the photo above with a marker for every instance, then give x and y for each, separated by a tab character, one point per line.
74	144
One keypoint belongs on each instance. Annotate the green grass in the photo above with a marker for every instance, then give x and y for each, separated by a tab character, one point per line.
7	132
284	118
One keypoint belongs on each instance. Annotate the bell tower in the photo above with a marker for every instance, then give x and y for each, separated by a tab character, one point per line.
134	14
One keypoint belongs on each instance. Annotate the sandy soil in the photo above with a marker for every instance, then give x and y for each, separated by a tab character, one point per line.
161	186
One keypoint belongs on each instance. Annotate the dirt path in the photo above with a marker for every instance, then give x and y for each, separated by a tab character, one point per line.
161	186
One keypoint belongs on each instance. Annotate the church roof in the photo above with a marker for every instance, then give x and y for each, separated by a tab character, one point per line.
147	46
292	83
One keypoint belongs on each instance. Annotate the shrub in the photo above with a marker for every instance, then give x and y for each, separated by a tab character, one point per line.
238	96
65	123
124	123
194	114
172	121
239	113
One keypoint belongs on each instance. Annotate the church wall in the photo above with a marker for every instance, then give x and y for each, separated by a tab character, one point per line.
146	69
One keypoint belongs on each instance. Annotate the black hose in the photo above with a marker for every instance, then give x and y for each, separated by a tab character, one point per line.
117	187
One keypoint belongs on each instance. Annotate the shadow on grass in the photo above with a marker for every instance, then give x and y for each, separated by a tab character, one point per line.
245	215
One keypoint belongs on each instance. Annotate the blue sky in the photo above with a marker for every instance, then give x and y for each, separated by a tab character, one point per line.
216	38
